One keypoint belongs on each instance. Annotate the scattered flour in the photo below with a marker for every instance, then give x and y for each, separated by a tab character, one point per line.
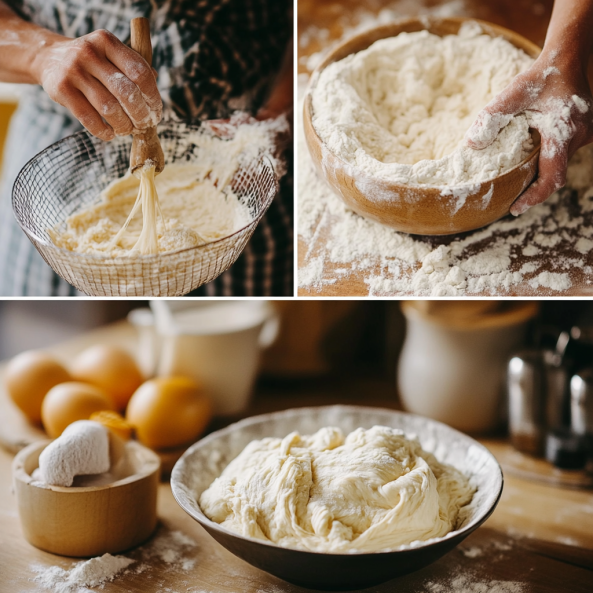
487	261
399	109
553	237
468	584
92	573
174	549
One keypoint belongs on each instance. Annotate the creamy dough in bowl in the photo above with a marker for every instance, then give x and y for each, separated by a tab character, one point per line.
372	490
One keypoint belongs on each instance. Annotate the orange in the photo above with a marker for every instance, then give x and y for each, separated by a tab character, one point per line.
29	376
169	412
112	369
67	402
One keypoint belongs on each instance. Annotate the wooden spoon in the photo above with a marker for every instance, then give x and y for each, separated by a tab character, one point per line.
145	145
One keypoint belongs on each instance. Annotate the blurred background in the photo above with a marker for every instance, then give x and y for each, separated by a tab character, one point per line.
515	370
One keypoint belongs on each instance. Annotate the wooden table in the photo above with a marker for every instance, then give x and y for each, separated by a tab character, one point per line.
529	18
539	535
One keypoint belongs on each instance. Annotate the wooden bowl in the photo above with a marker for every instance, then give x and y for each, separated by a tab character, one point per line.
417	209
87	521
204	461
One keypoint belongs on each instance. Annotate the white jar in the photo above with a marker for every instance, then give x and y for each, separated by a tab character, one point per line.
217	343
452	369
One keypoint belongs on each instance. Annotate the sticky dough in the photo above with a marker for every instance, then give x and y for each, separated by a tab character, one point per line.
373	490
197	207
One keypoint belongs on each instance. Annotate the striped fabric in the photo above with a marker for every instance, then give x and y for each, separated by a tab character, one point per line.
213	57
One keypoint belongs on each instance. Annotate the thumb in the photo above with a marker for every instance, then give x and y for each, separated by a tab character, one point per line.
497	114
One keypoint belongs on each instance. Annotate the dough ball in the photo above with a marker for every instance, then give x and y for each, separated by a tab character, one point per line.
29	376
169	412
68	402
112	369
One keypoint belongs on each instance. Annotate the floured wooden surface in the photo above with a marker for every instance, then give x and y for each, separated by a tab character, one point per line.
539	538
547	254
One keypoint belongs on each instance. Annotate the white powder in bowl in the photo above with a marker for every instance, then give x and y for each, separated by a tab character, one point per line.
399	109
341	246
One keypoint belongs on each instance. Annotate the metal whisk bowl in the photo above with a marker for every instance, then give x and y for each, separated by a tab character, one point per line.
69	175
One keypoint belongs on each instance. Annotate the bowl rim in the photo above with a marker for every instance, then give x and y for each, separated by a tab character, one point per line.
151	465
177	485
425	21
125	259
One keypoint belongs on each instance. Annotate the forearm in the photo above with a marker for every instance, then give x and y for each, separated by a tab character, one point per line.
20	42
570	32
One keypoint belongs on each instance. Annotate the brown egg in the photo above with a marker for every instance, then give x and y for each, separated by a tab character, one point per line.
112	369
169	412
68	402
29	376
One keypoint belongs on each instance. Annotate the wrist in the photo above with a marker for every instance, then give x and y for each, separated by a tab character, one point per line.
42	44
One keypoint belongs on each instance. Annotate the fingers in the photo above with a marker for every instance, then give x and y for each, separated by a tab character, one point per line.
119	70
87	115
516	97
126	93
553	162
135	68
106	105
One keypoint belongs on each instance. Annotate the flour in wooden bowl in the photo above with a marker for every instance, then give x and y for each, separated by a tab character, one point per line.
399	110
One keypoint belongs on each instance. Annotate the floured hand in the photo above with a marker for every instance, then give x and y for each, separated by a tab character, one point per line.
106	85
558	105
555	96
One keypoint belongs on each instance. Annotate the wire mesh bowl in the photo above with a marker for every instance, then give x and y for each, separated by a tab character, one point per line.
69	176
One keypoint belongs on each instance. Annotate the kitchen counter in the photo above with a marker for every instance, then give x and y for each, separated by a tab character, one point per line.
539	535
320	25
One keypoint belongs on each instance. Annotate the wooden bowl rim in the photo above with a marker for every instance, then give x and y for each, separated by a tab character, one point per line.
424	23
151	465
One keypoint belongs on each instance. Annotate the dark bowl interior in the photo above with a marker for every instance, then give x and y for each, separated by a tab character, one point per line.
206	459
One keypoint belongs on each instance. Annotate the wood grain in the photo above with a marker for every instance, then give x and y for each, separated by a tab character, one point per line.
526	17
539	535
146	145
93	520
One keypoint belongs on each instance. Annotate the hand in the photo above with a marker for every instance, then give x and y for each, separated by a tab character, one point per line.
106	85
555	96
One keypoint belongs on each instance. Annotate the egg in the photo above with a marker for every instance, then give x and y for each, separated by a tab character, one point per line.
29	376
67	402
169	412
112	369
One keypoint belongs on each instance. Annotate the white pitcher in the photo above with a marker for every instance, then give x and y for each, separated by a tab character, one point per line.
452	368
217	343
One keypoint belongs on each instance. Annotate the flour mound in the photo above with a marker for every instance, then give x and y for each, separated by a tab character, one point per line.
399	110
372	490
92	573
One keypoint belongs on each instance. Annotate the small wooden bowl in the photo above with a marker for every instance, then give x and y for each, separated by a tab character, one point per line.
417	209
91	520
